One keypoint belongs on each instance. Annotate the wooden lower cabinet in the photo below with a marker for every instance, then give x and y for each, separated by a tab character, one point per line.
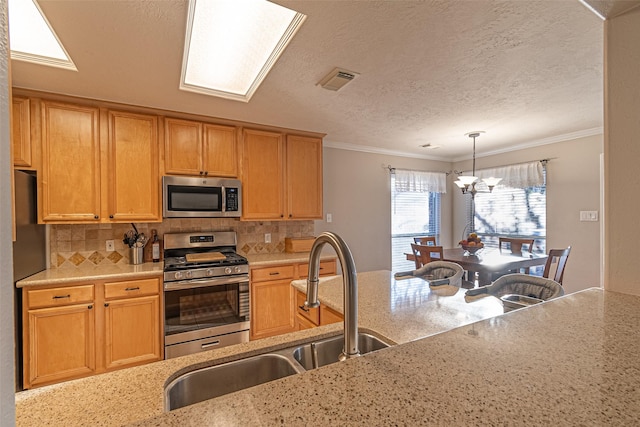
329	315
310	318
61	342
88	328
273	299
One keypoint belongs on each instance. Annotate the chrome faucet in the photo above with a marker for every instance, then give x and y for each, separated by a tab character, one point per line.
350	285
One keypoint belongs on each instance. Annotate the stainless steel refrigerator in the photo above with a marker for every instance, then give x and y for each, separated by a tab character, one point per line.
29	250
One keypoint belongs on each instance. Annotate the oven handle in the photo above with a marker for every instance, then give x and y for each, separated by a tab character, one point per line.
188	284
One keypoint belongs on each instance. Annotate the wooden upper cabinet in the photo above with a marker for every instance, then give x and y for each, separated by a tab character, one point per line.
304	177
262	175
281	179
133	177
21	133
195	148
70	176
220	150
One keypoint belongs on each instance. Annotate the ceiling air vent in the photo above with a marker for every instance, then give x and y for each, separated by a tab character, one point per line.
337	78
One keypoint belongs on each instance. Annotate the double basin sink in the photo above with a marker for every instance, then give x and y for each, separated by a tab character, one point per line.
207	383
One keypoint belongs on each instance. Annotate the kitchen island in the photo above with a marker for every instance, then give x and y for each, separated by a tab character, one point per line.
571	361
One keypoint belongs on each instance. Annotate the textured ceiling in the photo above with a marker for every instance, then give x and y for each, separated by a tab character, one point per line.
429	71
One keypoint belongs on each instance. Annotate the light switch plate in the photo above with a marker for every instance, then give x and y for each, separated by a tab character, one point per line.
267	237
329	217
588	215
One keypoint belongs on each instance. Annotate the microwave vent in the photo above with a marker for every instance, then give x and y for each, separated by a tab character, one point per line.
337	78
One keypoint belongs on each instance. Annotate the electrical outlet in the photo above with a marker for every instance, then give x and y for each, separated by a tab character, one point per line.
110	246
267	237
329	217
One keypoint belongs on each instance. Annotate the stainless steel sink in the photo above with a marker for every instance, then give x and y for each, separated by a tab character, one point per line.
214	381
207	383
327	351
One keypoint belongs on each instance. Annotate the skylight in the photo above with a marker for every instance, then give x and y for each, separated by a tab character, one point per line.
231	45
32	39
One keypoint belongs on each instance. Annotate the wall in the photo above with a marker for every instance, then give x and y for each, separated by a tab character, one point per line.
573	185
84	245
622	151
357	193
7	380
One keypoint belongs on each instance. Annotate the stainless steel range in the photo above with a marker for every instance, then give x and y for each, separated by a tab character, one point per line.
206	292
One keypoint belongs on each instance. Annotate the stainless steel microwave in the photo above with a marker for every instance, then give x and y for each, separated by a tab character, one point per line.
194	197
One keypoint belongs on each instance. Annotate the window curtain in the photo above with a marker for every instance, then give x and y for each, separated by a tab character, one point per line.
420	182
522	175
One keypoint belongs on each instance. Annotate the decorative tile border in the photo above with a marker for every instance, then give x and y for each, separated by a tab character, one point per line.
81	245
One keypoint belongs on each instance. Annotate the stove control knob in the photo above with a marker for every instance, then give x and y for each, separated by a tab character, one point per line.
187	274
236	269
178	275
210	272
227	270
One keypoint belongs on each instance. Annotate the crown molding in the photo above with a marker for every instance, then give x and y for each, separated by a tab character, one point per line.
377	150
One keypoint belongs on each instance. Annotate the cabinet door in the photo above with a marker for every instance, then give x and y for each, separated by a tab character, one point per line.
133	168
220	151
70	178
328	315
132	331
60	344
21	133
272	308
304	177
183	147
262	175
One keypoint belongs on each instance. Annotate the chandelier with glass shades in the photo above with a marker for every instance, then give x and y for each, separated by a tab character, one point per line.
467	183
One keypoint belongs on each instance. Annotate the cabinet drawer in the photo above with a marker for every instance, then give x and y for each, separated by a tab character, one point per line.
132	288
327	268
312	314
54	297
272	273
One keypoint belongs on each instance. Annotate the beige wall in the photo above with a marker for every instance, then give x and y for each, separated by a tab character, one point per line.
622	152
573	185
358	195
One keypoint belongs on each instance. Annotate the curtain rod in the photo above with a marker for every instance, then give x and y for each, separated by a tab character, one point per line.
543	161
393	170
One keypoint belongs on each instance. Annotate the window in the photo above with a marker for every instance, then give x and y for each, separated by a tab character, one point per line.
412	214
512	211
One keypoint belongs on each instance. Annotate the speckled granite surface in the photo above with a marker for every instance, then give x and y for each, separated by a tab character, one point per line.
571	361
56	276
263	260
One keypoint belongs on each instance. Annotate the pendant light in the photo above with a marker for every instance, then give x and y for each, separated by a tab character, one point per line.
467	183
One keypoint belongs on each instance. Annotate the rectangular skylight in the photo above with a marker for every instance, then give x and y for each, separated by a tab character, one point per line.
32	39
230	45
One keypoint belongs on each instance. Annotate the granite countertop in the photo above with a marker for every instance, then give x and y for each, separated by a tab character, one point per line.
60	276
569	361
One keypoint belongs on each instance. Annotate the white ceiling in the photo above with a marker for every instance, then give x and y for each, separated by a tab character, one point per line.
525	72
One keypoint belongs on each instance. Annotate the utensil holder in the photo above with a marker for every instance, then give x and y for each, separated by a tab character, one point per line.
136	255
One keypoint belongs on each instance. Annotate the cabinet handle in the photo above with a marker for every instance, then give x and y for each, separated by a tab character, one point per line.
90	307
275	273
106	304
61	296
132	289
303	308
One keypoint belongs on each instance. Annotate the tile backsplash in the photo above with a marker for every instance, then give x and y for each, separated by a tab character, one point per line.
80	245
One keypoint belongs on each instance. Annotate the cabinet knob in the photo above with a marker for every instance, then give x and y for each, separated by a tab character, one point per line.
106	304
281	216
290	215
206	172
111	216
90	307
201	172
96	217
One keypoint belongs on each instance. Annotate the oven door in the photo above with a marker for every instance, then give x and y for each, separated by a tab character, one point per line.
195	309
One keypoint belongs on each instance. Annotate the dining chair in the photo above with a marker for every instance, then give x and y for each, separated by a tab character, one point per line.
426	240
515	245
423	254
558	257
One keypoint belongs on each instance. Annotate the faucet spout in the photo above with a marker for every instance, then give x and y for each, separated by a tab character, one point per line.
350	285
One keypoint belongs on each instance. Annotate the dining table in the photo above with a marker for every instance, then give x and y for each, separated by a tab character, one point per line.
489	262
